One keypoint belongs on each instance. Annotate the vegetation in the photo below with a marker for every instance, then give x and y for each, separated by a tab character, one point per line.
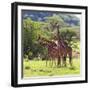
35	55
47	29
34	68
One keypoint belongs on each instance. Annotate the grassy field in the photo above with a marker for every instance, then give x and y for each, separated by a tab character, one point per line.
32	68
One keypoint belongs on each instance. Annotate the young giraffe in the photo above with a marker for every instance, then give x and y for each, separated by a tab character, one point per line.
52	48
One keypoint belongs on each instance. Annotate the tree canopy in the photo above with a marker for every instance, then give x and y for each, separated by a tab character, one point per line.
48	28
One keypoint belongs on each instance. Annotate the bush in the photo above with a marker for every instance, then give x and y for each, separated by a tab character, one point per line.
30	54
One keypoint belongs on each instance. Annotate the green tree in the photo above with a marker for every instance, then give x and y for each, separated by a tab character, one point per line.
31	31
53	21
68	34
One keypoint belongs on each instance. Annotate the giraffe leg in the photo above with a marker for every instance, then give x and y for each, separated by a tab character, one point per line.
64	61
59	61
70	60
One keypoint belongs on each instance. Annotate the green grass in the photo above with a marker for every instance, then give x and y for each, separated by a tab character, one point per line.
34	68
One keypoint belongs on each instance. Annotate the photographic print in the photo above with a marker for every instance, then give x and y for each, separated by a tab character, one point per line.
50	44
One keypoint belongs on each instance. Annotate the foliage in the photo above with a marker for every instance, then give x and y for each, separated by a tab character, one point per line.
54	21
68	34
48	29
31	32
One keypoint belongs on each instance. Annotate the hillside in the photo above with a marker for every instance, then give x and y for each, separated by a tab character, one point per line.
70	19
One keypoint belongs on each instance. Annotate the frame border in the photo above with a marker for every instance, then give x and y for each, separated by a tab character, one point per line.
14	43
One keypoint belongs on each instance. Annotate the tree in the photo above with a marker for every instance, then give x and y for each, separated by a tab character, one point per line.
53	26
31	31
52	22
68	34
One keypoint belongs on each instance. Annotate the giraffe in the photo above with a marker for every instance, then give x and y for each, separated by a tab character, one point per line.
62	45
52	48
57	50
68	51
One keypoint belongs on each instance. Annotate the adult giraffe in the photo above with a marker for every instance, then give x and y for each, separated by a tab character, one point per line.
62	45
